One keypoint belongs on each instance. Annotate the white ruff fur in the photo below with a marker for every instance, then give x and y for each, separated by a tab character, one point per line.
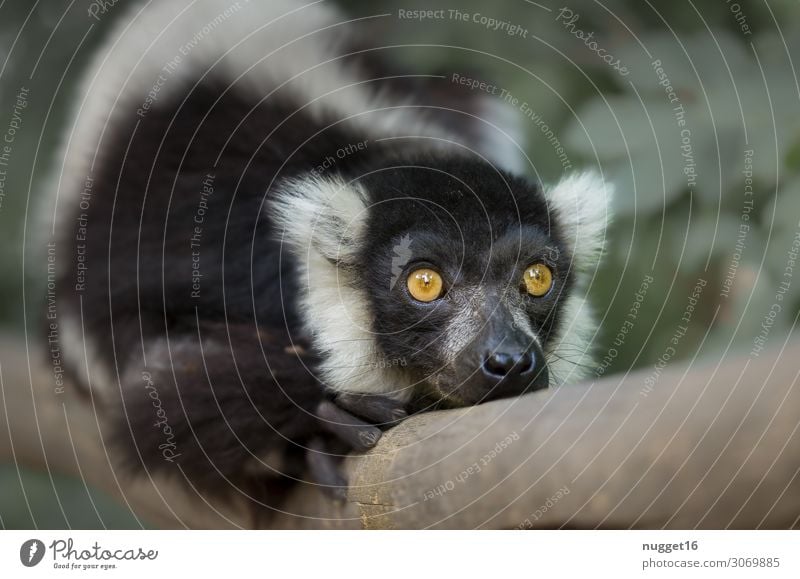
323	223
581	204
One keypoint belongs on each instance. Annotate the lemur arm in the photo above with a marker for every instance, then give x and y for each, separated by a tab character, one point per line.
218	403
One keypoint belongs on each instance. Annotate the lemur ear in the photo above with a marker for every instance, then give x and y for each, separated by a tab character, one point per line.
581	205
325	216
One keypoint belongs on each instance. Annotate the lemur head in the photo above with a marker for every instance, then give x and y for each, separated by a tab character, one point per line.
445	278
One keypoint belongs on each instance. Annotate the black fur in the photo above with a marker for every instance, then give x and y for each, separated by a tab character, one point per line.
480	228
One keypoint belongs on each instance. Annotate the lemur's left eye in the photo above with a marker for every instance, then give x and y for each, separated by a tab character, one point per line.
424	284
538	279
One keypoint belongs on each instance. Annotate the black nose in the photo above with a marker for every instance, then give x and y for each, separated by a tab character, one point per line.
506	365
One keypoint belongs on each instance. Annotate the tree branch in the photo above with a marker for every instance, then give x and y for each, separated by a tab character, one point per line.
711	447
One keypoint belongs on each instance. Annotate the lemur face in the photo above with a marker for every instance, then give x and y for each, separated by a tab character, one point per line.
463	275
447	278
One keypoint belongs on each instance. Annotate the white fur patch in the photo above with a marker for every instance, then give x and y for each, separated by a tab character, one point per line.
569	354
323	215
581	203
81	354
502	139
322	223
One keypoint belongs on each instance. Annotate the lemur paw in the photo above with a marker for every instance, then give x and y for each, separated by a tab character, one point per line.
343	418
356	418
379	410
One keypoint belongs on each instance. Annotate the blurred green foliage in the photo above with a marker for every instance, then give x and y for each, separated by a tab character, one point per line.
32	500
739	92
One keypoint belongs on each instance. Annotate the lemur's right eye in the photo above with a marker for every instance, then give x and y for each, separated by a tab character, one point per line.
424	284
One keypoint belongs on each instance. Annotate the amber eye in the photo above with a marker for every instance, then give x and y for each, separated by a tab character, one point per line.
424	284
538	279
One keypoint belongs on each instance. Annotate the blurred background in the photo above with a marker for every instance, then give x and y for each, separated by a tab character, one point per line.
691	109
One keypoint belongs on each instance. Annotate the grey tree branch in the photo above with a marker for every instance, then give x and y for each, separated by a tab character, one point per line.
709	446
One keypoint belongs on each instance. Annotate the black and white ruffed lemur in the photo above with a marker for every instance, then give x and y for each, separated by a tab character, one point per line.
271	245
